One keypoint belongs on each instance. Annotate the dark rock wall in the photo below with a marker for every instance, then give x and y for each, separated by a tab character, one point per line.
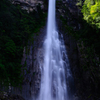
33	56
36	55
70	42
86	80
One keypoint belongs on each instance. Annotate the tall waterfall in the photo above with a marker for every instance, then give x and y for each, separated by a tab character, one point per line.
53	81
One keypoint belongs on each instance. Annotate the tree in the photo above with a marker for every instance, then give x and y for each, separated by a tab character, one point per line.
91	12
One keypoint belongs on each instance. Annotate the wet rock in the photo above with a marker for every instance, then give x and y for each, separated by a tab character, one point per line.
28	5
86	79
7	96
32	76
15	97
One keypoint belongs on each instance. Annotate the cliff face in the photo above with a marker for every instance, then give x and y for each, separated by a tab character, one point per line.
84	70
31	84
32	76
28	5
33	53
68	16
30	67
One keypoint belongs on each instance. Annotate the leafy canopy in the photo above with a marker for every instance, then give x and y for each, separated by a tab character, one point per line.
91	12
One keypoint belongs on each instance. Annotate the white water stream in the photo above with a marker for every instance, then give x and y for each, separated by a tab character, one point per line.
53	81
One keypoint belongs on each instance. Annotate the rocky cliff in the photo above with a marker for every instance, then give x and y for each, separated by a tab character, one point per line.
84	69
68	21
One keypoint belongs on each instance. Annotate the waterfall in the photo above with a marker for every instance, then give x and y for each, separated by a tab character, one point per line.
53	82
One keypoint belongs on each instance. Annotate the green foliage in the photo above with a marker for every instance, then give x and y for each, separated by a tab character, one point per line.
79	3
16	27
91	12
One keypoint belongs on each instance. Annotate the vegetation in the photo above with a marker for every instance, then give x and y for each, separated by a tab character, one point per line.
90	30
91	12
16	27
87	34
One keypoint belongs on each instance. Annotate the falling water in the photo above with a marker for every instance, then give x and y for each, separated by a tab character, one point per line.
53	81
